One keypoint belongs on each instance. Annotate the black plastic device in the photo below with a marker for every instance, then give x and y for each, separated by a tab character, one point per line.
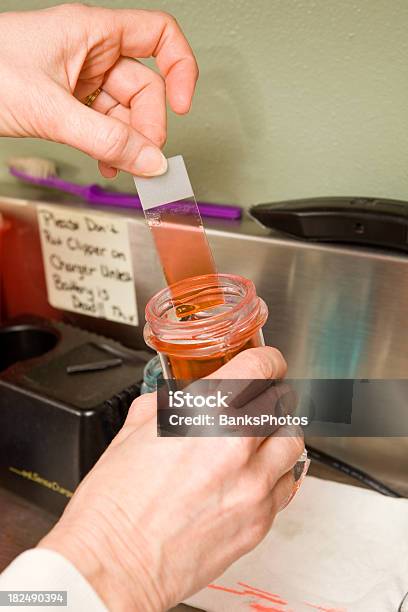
54	425
357	220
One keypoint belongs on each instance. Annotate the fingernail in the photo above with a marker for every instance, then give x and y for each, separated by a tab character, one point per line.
150	162
301	465
298	479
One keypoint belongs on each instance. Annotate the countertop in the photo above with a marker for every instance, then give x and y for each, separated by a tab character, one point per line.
22	524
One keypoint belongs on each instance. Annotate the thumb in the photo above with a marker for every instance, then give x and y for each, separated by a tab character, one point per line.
107	139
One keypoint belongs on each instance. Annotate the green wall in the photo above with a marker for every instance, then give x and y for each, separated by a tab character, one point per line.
296	98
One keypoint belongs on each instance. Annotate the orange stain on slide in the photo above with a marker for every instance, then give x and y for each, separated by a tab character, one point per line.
181	244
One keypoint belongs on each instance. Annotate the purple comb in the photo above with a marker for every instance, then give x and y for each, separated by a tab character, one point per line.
94	194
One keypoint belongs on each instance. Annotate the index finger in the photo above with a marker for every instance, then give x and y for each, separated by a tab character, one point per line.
156	34
258	363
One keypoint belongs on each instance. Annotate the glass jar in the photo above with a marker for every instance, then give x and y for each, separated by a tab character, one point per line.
200	323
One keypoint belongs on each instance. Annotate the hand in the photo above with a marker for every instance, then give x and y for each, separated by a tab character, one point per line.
52	59
159	518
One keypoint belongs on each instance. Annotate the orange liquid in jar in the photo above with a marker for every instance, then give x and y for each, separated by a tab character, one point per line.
222	316
183	368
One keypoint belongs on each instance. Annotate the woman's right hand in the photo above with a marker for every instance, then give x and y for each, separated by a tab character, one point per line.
51	60
159	518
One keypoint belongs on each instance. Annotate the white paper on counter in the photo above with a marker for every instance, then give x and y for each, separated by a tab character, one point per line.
336	548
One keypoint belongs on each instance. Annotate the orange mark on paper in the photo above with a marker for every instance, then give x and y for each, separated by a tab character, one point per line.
248	586
324	608
246	590
260	608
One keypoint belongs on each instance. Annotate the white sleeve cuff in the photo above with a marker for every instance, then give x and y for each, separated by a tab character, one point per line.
39	569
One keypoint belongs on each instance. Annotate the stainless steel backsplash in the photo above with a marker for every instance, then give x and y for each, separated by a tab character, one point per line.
334	311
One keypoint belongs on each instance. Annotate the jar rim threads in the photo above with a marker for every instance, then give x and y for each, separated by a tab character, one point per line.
218	311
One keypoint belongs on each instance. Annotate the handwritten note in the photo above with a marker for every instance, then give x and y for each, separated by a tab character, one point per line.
87	263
